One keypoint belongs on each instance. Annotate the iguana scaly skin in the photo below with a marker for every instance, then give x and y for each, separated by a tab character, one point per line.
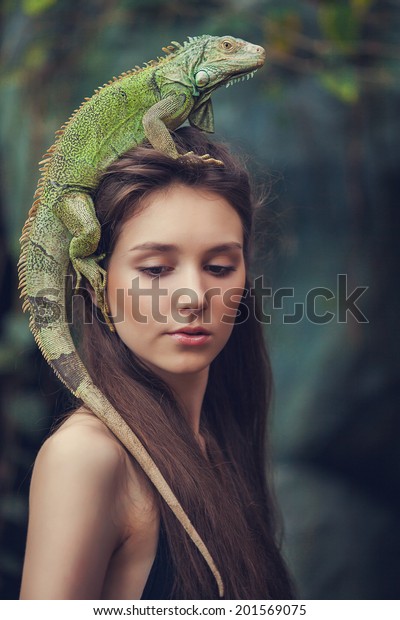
145	103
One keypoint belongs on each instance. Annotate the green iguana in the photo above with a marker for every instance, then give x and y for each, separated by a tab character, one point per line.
144	103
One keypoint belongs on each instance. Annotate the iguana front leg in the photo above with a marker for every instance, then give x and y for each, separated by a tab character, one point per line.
76	211
159	115
173	108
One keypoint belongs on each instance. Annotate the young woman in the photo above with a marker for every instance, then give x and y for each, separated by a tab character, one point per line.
187	369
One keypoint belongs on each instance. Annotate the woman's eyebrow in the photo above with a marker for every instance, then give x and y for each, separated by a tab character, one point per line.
169	247
158	247
225	247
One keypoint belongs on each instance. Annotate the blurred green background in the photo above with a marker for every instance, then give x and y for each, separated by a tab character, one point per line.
323	119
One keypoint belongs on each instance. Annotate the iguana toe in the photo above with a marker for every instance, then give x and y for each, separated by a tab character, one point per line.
206	158
97	278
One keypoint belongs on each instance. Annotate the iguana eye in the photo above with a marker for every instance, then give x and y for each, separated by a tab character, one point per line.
227	45
202	78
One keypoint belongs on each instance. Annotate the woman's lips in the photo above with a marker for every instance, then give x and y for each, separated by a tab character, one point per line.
191	337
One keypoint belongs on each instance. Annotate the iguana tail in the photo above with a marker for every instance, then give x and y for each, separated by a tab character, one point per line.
41	280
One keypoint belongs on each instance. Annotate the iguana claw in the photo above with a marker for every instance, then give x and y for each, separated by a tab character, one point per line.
206	158
97	278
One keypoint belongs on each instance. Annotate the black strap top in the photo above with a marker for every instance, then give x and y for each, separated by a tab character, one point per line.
160	580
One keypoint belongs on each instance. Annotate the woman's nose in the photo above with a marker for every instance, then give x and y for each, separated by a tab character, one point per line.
193	296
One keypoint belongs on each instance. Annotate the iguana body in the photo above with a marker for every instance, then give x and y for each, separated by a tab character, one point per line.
62	226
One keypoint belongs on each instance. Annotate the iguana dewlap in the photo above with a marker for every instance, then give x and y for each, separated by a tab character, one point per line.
145	103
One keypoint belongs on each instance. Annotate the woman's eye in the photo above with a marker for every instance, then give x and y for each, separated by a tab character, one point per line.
155	271
219	270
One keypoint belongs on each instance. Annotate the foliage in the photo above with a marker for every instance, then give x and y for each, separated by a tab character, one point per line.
341	43
35	7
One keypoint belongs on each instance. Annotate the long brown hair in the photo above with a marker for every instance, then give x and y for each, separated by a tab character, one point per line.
226	495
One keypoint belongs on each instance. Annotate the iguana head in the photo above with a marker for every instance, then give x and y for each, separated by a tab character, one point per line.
223	61
205	63
208	62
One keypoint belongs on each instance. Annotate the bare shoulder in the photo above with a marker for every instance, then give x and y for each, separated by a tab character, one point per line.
83	487
83	440
83	450
81	461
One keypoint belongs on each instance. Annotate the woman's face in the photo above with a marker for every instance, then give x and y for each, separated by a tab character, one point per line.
175	279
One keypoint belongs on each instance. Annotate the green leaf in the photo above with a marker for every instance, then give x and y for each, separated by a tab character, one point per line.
35	7
361	6
340	24
342	83
282	30
36	56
